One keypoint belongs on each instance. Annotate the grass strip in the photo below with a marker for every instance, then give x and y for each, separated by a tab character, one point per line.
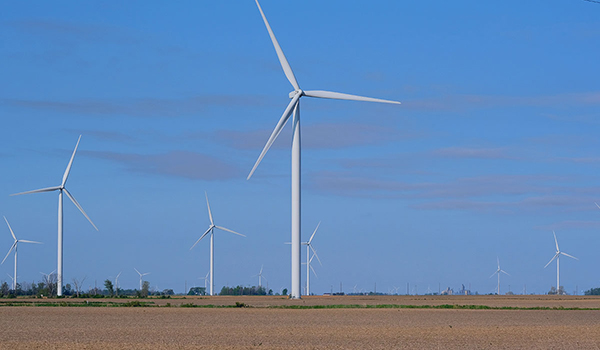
136	303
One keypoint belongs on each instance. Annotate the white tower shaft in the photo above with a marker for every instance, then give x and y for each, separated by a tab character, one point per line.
212	261
307	269
15	279
59	267
296	205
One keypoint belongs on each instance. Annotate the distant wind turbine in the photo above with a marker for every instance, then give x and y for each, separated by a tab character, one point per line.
141	276
60	190
117	284
14	247
309	267
498	273
260	276
557	257
210	230
205	278
293	108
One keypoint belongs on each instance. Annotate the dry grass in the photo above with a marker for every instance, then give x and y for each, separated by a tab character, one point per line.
275	328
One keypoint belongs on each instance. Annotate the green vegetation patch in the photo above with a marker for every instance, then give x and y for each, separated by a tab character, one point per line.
443	306
134	303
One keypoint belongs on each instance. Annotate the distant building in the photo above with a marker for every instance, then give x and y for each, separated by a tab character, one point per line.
448	291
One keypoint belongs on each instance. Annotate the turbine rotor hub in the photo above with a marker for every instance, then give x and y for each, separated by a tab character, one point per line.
296	92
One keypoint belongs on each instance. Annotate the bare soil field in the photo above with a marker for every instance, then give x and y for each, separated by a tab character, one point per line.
265	327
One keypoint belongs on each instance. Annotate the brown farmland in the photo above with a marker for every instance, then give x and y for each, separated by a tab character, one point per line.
261	326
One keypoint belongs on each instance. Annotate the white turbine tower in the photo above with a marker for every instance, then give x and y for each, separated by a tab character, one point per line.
557	257
60	190
498	273
14	247
210	230
309	267
141	276
293	108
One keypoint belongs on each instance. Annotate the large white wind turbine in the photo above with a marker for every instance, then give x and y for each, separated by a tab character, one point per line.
60	190
141	276
309	247
210	230
498	273
557	257
293	108
14	247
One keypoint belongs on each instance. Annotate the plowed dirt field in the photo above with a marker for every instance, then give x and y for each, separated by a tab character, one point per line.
261	327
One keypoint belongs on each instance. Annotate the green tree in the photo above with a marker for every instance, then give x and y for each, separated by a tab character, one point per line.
197	291
145	289
284	292
4	289
109	287
592	291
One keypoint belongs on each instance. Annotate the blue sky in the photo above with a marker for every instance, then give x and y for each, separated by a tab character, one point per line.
494	146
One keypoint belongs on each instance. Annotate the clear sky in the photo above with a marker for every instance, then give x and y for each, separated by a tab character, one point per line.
494	146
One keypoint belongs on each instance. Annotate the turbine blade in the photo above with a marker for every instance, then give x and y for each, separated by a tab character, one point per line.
340	96
494	274
556	241
315	254
10	228
597	205
498	259
209	212
228	230
119	274
26	241
570	256
551	260
47	189
313	270
68	170
7	254
311	237
137	271
204	234
284	63
282	121
504	272
79	207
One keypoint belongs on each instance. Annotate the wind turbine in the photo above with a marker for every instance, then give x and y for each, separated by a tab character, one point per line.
117	284
210	230
14	247
141	276
557	257
309	247
293	108
498	273
260	276
205	280
60	190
